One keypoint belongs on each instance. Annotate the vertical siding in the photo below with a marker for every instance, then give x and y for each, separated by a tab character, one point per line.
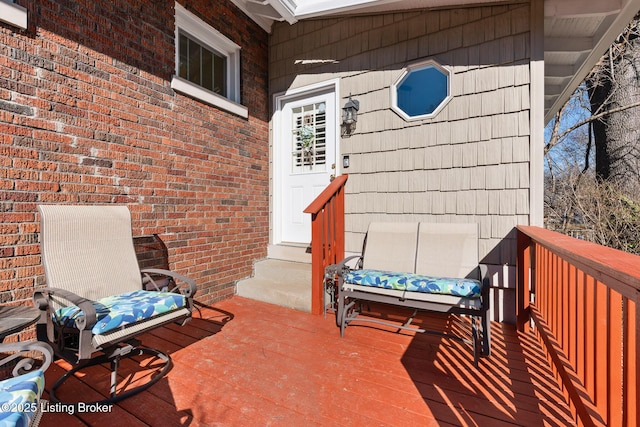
470	163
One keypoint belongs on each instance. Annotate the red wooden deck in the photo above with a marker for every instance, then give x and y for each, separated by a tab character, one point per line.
246	363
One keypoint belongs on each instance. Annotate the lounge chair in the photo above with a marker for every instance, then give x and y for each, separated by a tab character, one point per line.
94	306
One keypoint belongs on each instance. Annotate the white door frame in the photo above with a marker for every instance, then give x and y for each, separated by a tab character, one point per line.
280	100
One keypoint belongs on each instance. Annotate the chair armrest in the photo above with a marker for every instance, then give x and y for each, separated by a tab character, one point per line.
341	267
41	301
189	291
26	364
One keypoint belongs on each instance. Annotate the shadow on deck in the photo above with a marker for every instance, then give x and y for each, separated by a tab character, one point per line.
248	363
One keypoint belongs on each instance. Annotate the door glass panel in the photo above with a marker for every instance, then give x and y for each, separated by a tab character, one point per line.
309	138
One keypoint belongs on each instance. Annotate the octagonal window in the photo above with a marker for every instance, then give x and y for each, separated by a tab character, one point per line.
421	91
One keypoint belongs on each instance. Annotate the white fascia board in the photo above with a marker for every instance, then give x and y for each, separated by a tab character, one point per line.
276	10
294	10
286	9
312	8
262	21
581	8
319	8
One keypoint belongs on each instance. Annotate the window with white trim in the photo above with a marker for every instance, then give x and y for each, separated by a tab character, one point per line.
13	14
201	65
207	63
421	91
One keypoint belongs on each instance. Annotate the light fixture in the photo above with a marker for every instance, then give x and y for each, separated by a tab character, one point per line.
350	116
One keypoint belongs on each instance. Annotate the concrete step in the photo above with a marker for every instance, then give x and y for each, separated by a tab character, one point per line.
280	282
297	253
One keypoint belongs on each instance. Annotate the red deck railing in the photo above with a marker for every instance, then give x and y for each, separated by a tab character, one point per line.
327	236
582	299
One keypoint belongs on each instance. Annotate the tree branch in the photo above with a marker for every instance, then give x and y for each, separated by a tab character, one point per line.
555	138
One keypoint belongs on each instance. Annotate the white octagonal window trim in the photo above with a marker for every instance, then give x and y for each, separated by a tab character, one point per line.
421	91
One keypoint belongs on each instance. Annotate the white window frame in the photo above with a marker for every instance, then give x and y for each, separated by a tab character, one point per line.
211	38
13	14
423	64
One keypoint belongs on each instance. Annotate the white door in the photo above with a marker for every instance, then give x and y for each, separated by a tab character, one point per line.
306	156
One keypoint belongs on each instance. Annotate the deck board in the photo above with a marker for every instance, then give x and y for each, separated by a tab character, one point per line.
247	363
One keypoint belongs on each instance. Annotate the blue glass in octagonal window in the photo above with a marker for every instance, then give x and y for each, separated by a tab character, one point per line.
422	90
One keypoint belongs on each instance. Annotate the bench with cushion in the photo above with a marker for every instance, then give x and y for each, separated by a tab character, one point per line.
421	266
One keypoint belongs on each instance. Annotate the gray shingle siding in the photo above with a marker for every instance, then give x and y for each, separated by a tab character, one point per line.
469	163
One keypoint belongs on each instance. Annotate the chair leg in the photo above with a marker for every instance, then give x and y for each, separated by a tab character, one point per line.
339	311
475	342
486	322
486	335
410	319
115	363
329	296
342	314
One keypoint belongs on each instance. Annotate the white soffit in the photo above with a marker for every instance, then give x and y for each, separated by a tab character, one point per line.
577	33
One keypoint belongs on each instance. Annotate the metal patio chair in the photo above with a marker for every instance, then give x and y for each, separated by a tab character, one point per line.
22	383
95	306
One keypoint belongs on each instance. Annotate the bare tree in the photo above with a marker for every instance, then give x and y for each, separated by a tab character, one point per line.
614	94
592	152
583	206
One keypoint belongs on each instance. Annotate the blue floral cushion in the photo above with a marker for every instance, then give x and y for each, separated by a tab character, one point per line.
378	279
119	310
415	283
19	397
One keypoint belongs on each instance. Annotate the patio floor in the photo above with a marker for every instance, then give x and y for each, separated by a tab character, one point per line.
248	363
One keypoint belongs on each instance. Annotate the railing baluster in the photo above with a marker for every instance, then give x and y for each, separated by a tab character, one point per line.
615	357
590	376
572	326
581	323
584	308
602	342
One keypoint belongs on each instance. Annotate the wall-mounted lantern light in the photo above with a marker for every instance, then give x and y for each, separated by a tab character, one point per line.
350	116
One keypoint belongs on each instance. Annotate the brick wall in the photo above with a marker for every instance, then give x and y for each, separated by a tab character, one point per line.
87	116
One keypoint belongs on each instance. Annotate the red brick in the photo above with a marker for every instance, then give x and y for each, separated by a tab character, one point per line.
107	128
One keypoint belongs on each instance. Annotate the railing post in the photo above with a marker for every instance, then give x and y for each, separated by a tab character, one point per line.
327	236
317	269
339	225
632	373
523	286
